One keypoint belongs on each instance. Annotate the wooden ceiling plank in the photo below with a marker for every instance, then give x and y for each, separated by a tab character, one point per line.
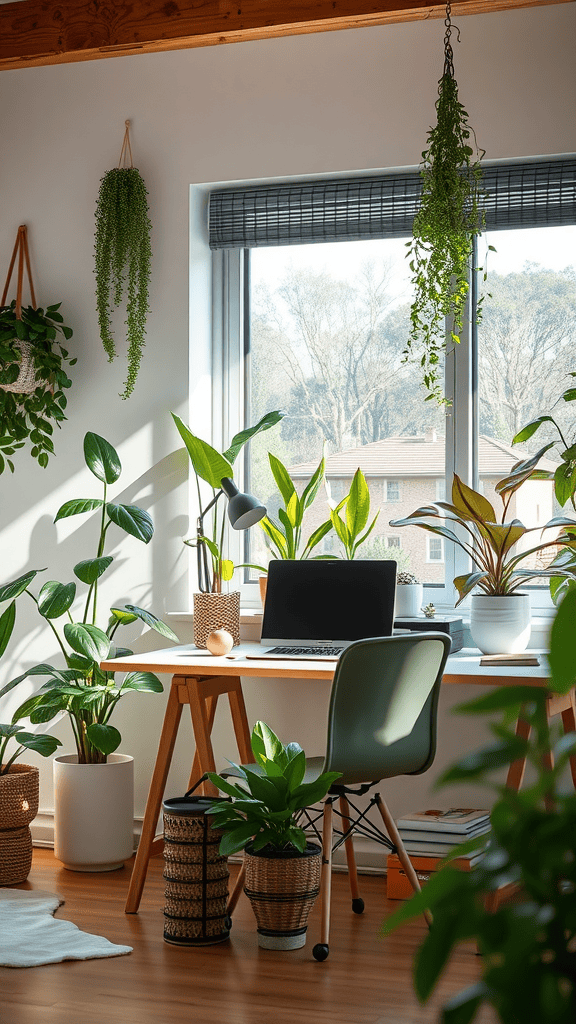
38	32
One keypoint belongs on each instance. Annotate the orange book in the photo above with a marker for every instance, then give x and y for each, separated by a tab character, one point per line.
397	885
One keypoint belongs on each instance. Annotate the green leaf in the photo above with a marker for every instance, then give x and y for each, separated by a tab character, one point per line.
282	478
357	505
152	621
526	433
317	536
101	458
563	483
561	656
236	840
265	743
224	786
92	568
7	620
42	744
55	599
207	463
36	670
471	504
105	738
132	520
77	506
145	681
16	587
123	616
239	440
463	1007
313	485
87	640
227	569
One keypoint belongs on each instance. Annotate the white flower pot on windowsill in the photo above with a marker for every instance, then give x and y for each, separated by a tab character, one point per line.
409	599
500	625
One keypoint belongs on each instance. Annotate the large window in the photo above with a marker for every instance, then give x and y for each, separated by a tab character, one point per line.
316	320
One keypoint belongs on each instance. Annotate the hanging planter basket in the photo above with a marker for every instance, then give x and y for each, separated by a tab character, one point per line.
25	383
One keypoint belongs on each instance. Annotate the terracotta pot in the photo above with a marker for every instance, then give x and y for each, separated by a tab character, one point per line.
282	887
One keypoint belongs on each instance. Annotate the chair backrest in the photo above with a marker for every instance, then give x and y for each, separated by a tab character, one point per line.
383	707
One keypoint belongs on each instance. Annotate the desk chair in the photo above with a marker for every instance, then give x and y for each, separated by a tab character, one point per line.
381	723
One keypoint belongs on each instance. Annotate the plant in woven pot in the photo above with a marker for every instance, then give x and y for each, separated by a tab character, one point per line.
19	785
94	815
32	374
500	614
213	608
282	868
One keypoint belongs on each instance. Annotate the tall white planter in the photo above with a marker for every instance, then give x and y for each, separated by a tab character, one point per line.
94	812
500	625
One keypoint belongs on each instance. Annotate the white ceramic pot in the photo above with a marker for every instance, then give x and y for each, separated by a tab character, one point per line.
409	598
500	625
94	812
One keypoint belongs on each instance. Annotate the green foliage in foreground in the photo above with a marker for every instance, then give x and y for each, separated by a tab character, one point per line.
528	947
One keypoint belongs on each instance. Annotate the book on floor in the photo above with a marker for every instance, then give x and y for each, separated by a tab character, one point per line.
442	835
455	819
425	849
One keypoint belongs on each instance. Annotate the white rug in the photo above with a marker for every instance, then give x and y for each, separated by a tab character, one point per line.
30	935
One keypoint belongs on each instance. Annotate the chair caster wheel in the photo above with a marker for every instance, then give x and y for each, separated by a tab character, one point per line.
228	922
320	951
358	906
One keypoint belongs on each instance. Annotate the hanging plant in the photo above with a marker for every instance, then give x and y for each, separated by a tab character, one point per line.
123	258
32	374
450	215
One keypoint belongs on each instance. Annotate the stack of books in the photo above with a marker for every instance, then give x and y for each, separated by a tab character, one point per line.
428	836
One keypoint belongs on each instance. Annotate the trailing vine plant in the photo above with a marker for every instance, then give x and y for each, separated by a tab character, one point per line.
450	215
123	258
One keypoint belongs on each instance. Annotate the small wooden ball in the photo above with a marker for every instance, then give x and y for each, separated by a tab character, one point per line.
220	642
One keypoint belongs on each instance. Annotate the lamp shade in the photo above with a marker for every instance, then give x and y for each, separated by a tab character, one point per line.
244	510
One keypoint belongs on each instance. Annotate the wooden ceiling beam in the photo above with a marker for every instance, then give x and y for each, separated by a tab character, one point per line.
38	32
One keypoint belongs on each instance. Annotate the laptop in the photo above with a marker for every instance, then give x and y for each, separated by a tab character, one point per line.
317	608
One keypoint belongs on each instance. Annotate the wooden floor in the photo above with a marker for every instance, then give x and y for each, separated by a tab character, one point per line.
366	979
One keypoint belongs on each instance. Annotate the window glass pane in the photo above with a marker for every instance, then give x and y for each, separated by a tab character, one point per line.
526	343
328	325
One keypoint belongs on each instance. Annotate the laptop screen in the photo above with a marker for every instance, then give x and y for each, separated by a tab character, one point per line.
328	600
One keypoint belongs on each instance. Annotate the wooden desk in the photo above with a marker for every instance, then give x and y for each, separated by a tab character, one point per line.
199	679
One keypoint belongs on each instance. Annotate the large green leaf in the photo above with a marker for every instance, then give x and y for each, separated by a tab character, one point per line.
55	599
36	670
101	458
7	620
145	681
282	477
87	640
313	485
206	461
132	520
123	616
105	738
240	439
526	433
465	584
77	506
358	505
561	657
470	504
16	587
317	536
92	568
152	621
521	471
44	745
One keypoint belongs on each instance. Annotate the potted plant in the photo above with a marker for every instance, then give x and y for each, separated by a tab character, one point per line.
500	615
449	218
32	380
564	482
19	784
263	818
409	596
123	258
93	787
526	945
213	609
357	513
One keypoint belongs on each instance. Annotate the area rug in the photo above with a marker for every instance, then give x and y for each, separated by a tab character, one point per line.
30	935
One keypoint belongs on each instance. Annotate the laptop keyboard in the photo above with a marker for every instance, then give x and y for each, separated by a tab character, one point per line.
312	651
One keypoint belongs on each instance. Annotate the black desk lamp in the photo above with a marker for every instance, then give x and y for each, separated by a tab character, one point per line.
243	512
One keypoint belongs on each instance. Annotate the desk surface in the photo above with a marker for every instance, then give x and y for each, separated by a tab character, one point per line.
461	668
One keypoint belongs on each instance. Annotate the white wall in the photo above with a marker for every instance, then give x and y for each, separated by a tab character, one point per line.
306	105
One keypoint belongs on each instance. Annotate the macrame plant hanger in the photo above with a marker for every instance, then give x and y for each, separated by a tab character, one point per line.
25	382
126	151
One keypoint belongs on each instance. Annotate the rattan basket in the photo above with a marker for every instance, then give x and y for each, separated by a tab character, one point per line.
216	611
18	806
195	875
282	889
25	383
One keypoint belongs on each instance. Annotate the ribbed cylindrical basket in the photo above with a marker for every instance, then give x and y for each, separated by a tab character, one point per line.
195	875
25	383
18	807
216	611
282	887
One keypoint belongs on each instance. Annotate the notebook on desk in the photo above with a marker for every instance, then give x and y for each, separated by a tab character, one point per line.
315	609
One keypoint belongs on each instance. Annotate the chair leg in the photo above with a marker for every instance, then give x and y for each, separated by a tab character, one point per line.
321	949
403	857
237	891
357	901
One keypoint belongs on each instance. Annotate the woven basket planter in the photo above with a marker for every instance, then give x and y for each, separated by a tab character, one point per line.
216	611
282	888
195	875
25	383
18	807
